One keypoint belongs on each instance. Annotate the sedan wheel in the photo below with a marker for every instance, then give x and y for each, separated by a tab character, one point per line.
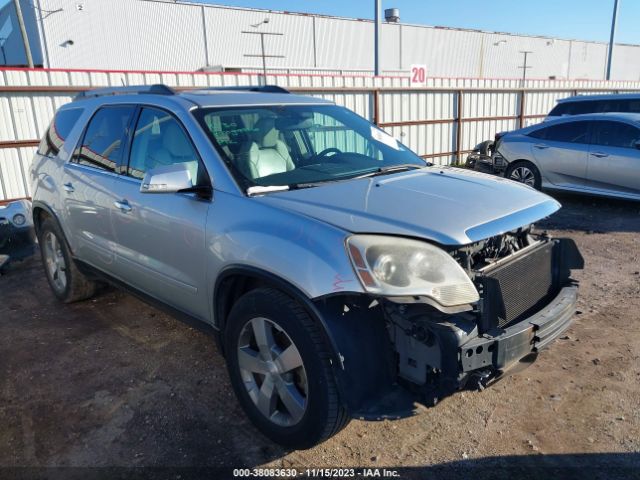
273	371
524	175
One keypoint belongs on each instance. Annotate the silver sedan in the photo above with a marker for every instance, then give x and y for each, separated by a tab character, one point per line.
597	154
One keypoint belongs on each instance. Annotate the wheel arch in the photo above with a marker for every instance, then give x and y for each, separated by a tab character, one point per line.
357	343
236	280
39	212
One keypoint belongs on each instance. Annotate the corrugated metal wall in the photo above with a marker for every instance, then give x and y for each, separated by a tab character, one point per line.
157	35
427	120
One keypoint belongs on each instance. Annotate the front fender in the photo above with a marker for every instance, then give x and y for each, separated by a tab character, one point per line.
304	252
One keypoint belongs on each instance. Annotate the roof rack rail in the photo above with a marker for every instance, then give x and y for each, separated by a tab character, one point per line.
157	89
248	88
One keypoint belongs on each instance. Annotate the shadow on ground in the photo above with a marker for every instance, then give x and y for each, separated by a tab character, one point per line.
593	214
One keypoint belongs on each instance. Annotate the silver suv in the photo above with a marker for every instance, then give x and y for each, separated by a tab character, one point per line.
343	275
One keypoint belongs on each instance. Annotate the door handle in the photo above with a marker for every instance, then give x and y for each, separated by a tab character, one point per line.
68	187
599	154
541	146
123	206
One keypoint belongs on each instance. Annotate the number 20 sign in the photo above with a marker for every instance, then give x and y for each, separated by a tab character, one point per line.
418	75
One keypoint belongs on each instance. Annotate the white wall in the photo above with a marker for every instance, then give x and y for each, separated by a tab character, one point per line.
156	35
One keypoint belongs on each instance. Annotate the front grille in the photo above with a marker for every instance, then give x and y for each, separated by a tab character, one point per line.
517	288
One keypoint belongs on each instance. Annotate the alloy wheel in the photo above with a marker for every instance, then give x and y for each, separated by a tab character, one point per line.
54	261
273	372
523	175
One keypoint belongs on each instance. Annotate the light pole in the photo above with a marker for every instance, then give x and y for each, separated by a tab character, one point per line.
262	54
23	30
612	39
376	40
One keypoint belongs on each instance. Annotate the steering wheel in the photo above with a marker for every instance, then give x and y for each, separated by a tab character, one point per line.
327	151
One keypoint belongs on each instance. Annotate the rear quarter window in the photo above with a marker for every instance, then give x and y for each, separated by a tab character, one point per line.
58	131
559	110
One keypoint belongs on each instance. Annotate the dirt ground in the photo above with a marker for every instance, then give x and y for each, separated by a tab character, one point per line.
112	382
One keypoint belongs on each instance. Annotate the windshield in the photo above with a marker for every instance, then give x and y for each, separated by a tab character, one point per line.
301	145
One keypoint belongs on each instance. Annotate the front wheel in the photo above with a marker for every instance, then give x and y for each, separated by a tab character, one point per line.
524	172
280	370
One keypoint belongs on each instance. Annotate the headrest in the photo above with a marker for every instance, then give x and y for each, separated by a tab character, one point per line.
175	141
266	135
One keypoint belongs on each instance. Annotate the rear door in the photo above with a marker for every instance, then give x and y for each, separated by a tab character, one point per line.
614	159
88	182
160	237
561	152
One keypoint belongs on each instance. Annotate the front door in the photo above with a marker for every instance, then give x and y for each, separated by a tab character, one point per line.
160	237
561	151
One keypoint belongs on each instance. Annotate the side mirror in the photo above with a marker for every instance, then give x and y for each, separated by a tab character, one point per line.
636	144
169	179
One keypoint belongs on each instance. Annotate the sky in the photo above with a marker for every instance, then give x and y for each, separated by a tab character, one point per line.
572	19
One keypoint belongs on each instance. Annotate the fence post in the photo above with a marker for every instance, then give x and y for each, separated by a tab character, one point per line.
521	113
376	106
459	128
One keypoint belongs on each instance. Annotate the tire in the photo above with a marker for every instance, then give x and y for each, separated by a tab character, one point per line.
485	148
524	172
317	413
67	282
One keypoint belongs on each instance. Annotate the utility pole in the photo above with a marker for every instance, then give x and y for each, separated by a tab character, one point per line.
612	39
263	55
376	46
23	30
525	66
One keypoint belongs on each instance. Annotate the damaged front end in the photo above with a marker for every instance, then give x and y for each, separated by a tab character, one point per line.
401	348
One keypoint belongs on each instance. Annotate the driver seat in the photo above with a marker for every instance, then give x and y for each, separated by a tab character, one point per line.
265	154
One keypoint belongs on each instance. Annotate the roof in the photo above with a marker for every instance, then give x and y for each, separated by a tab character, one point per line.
602	96
221	98
206	97
622	116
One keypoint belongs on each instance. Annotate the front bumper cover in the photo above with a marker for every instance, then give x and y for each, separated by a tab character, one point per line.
505	349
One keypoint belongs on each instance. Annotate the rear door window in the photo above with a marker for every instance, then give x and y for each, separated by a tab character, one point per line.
615	134
581	108
559	110
629	105
57	133
105	138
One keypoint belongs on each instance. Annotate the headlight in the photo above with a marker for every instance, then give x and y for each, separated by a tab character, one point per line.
396	266
19	219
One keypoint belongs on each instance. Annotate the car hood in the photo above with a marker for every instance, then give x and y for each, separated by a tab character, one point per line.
448	206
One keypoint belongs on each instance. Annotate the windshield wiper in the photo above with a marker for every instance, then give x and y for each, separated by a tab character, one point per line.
261	190
390	169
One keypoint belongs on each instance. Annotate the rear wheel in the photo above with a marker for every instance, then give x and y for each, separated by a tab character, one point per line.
524	172
280	370
67	282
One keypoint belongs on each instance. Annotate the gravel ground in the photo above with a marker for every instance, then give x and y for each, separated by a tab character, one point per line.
113	382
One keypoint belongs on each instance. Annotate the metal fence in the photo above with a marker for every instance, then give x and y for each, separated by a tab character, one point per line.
442	121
